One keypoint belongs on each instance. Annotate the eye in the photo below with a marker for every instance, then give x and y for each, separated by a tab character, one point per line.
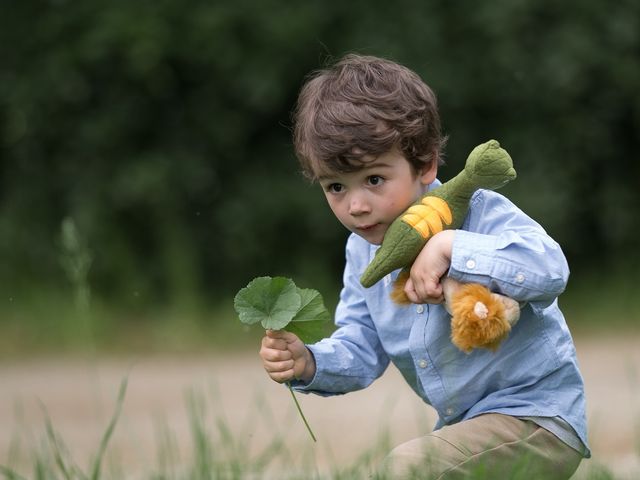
375	180
334	188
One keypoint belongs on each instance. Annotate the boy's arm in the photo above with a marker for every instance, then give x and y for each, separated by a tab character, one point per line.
502	248
353	357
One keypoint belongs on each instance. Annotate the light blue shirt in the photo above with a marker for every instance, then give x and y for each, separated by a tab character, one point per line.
533	374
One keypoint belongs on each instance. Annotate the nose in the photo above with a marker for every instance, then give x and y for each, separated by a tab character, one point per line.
358	205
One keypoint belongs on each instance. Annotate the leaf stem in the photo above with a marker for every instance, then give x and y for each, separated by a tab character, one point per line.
304	419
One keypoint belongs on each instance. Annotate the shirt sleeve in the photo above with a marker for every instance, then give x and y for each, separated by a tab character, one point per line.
502	248
353	357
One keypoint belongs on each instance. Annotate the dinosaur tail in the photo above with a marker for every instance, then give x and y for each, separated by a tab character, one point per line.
393	253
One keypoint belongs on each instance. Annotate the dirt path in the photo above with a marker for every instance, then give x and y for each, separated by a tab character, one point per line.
79	397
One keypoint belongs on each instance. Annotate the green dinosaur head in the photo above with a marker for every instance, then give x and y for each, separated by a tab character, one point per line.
489	166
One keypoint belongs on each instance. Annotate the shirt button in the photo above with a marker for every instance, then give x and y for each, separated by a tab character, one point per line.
422	363
449	411
471	264
420	308
520	277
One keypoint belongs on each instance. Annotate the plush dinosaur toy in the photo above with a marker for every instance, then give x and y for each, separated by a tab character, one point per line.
480	319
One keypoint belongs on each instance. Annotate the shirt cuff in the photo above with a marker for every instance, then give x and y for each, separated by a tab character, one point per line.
475	258
313	385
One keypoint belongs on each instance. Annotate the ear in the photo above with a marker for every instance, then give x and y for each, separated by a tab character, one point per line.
427	174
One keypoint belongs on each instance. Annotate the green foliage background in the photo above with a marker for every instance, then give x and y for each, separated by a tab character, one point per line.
163	129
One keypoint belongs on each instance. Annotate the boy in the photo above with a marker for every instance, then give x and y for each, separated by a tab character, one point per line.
368	131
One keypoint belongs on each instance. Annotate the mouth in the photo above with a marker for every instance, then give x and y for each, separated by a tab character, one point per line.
367	228
370	231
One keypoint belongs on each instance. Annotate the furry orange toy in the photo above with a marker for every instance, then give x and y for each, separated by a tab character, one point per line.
480	318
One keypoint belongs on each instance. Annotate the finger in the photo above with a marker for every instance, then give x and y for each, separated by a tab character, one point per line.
420	290
412	296
274	367
276	333
283	335
274	343
282	377
409	290
271	355
291	337
427	290
408	285
434	300
433	289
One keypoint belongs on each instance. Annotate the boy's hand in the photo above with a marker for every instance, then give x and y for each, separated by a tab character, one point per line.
285	357
430	265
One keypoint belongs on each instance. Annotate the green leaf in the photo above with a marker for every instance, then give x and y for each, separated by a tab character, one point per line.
309	331
310	323
312	307
276	303
271	301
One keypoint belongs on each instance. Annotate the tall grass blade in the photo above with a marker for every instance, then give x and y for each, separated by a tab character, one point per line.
167	451
10	474
204	461
97	464
41	470
55	445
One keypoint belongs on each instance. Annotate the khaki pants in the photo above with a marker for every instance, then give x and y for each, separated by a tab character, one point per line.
490	446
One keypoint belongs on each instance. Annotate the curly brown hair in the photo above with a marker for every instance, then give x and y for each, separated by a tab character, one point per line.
363	106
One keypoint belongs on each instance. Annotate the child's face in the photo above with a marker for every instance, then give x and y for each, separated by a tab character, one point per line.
369	200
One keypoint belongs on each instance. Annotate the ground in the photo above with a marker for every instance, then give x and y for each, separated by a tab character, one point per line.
79	396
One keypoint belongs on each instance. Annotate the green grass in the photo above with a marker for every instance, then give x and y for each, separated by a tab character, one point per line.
56	461
217	452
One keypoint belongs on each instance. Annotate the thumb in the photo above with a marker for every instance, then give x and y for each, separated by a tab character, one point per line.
275	333
434	287
408	285
411	292
289	337
282	335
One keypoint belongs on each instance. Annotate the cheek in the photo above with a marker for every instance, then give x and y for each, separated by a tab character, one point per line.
396	203
392	206
399	203
335	206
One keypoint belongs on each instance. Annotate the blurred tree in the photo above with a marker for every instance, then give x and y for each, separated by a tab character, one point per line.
162	128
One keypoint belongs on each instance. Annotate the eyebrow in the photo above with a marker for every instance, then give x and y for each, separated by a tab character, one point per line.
366	166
